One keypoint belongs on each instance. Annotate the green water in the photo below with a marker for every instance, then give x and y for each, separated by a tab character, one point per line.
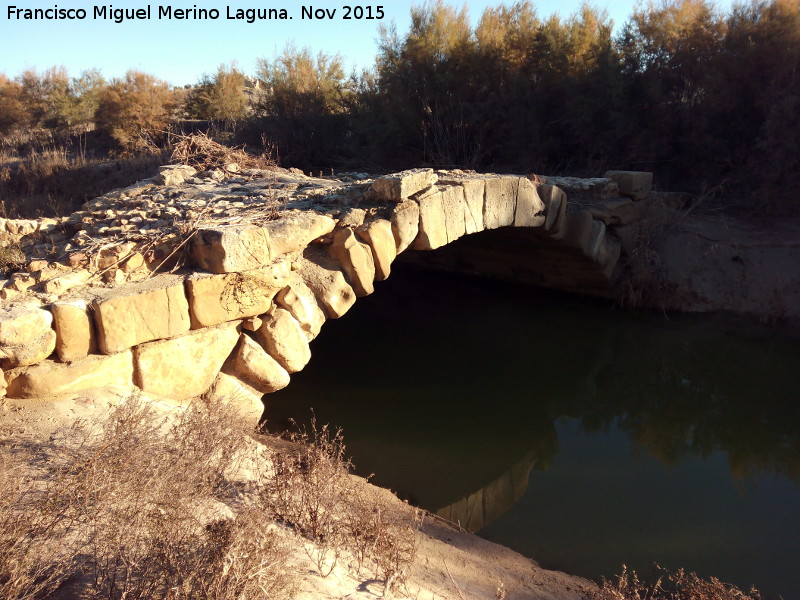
582	436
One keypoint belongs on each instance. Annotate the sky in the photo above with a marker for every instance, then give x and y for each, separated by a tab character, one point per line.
181	51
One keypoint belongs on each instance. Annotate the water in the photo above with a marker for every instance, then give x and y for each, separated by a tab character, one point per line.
578	435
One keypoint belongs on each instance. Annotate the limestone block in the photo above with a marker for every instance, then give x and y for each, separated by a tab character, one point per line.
284	340
400	186
50	378
229	389
578	230
474	192
141	312
256	369
186	366
63	283
299	300
26	335
173	174
500	202
215	299
296	231
378	234
592	248
356	260
530	208
322	276
231	249
405	224
619	212
555	201
432	221
75	338
633	184
455	208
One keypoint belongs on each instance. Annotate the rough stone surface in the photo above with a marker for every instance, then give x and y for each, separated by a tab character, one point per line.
378	234
405	224
432	222
299	300
256	369
230	389
633	184
296	231
501	201
284	340
215	299
75	338
231	249
50	378
455	208
474	191
555	201
26	336
173	174
530	209
184	367
400	186
137	313
356	260
322	276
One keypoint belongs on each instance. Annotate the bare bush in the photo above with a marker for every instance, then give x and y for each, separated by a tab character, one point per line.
677	585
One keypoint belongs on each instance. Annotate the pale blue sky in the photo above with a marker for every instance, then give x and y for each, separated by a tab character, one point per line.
181	51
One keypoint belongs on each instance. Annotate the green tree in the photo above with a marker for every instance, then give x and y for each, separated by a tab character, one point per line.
12	115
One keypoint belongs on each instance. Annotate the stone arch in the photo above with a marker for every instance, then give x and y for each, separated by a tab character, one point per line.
239	323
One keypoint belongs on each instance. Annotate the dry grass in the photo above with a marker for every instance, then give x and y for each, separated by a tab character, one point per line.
677	585
144	506
312	491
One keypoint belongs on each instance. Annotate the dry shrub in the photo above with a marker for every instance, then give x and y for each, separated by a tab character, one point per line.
312	491
135	505
201	152
677	585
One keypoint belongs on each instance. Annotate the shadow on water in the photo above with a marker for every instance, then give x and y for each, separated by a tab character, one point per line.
578	435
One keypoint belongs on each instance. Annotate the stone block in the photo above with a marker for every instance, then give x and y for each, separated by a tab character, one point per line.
455	208
75	337
500	202
50	378
215	299
632	184
26	335
530	209
231	390
283	339
474	192
299	300
324	278
378	234
184	367
578	230
356	260
173	174
256	369
405	224
295	231
432	221
141	312
555	201
400	186
231	249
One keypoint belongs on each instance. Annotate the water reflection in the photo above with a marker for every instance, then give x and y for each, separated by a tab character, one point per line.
458	395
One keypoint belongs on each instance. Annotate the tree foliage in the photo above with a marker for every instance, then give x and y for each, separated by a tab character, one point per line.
220	97
134	109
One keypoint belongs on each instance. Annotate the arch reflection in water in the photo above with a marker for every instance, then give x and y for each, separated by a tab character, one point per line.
447	389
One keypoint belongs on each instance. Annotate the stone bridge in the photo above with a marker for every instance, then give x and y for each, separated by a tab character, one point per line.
214	284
